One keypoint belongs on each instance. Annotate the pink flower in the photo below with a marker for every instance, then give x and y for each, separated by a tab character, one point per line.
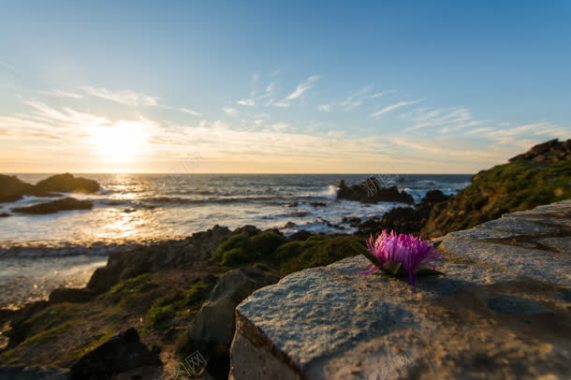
402	254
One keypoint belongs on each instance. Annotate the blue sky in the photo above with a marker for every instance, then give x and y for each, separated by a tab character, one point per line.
275	86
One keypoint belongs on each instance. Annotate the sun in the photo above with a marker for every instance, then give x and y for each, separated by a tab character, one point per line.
120	142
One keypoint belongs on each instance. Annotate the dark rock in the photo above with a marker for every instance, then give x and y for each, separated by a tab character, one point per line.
371	191
66	204
123	355
406	220
352	221
212	329
33	373
71	295
290	225
67	183
4	215
434	196
318	204
12	189
19	322
300	235
6	314
124	265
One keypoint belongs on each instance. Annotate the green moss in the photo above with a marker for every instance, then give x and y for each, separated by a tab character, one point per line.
159	318
137	284
241	248
516	186
316	251
164	310
46	336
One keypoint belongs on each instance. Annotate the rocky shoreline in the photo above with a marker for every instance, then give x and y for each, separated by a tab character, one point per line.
180	296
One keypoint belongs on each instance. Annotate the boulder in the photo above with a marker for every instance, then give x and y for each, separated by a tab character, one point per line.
65	204
371	191
123	356
212	329
67	183
12	189
501	310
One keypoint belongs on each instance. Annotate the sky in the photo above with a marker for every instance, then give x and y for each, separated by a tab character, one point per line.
280	86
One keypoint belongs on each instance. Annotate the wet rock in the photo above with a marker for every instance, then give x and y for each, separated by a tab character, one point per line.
501	310
123	356
371	191
318	204
67	183
66	204
290	225
4	215
212	329
12	189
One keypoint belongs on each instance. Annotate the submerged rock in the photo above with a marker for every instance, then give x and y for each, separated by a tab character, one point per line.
501	310
66	204
67	183
371	191
123	356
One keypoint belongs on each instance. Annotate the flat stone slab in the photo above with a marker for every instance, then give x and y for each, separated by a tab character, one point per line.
502	310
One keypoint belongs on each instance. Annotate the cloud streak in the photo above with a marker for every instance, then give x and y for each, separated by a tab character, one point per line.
125	97
392	107
298	92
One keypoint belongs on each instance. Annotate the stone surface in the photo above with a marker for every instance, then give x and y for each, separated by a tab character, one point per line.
212	329
502	309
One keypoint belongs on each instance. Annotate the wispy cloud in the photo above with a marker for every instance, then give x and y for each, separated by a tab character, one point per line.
354	100
298	92
62	94
126	97
246	102
189	111
230	111
377	114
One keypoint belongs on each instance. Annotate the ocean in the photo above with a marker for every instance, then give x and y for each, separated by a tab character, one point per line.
44	251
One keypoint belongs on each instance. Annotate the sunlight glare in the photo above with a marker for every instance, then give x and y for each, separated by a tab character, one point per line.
120	142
